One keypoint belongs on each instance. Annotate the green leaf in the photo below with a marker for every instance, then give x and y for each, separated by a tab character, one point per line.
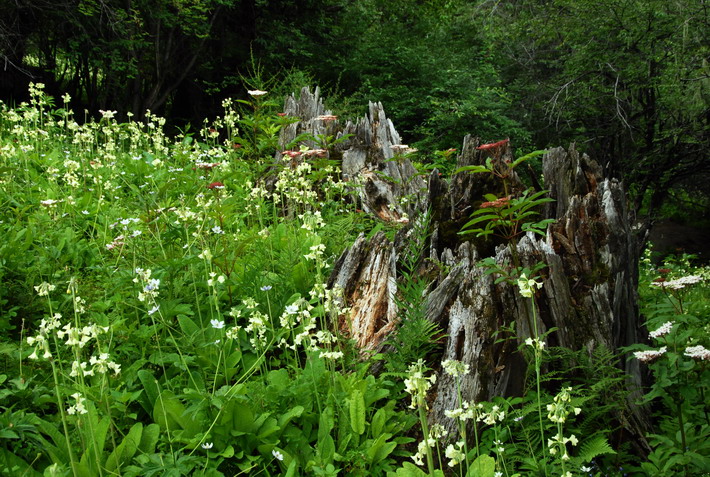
527	157
378	422
151	391
483	466
472	169
149	438
410	470
326	422
286	418
380	449
326	448
171	414
357	412
188	326
124	452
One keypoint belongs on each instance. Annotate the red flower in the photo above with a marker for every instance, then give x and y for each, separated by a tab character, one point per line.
493	145
216	185
659	280
281	114
496	203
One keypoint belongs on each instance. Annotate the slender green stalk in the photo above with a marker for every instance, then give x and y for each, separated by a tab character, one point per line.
421	405
538	352
60	404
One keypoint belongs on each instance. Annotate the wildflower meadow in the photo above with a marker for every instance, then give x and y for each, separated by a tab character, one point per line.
165	311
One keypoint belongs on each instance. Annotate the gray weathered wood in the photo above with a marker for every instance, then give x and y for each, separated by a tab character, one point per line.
589	294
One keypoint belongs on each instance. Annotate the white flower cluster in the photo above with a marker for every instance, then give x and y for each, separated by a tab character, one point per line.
100	365
70	176
422	450
40	342
527	286
463	413
331	355
78	407
436	433
650	355
311	221
496	414
678	283
80	336
697	352
417	384
44	288
455	453
257	326
560	441
316	253
455	368
536	343
663	330
562	407
213	279
150	285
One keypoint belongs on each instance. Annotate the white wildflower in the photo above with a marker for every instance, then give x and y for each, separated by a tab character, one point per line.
527	286
697	352
455	368
678	283
649	355
663	330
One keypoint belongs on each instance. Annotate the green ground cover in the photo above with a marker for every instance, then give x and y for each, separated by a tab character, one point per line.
164	312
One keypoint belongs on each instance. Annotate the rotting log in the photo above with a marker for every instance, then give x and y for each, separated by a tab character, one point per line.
589	291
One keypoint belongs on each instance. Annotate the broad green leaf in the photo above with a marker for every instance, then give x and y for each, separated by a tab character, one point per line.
527	157
483	466
188	326
378	422
380	449
151	391
325	422
286	418
125	451
357	412
326	448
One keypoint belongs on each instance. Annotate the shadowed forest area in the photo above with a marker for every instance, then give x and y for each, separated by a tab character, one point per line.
626	80
354	238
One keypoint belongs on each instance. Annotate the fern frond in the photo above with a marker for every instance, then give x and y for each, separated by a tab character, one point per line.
595	446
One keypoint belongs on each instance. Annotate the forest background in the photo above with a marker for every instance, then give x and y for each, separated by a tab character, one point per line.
160	226
627	80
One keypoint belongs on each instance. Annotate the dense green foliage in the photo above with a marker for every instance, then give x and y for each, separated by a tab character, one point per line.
165	313
628	80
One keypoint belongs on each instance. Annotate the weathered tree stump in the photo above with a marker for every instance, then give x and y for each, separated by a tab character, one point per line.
589	293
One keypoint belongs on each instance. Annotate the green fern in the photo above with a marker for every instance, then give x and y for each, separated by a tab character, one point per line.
592	447
416	336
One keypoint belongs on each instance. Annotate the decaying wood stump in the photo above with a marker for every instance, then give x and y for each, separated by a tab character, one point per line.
589	293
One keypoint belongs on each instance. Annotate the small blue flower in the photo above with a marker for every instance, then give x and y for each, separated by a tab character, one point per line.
266	288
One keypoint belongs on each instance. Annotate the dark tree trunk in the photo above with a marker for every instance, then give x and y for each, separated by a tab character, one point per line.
589	291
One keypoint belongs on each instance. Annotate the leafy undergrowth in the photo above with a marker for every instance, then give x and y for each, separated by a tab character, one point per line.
165	312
